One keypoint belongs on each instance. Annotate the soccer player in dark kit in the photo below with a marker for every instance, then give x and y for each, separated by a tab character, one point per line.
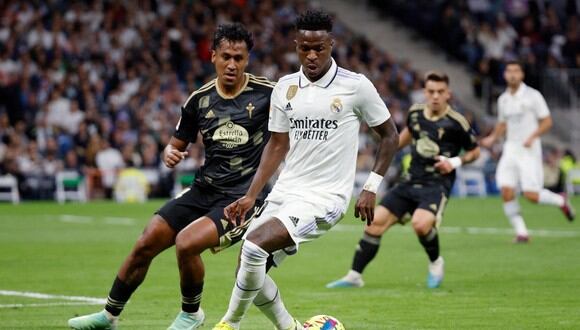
437	135
231	113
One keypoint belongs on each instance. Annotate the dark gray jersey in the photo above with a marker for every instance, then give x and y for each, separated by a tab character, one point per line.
447	135
234	131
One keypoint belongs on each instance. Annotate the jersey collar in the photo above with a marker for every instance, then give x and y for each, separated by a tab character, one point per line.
521	90
323	82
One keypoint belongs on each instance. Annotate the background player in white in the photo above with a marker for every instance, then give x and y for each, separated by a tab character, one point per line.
314	119
437	135
523	116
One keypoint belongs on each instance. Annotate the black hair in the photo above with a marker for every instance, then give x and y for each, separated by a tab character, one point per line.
235	32
314	20
515	62
437	76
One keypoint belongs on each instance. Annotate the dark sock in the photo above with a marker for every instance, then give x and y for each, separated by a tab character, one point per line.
431	244
118	297
365	252
191	297
270	263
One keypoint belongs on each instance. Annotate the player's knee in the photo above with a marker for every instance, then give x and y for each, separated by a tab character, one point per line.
507	194
532	196
253	254
186	244
422	228
145	249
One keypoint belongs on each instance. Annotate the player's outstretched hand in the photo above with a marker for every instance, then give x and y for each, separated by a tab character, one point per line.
236	211
365	206
173	156
443	165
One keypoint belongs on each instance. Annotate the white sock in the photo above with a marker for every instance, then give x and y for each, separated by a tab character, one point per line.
270	303
249	282
550	198
353	276
512	211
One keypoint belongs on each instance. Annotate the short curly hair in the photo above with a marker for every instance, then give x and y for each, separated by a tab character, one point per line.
314	20
235	32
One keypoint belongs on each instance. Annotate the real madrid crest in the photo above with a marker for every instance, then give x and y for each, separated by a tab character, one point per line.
291	92
336	105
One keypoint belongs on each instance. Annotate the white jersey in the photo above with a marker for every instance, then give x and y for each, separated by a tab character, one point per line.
322	119
521	112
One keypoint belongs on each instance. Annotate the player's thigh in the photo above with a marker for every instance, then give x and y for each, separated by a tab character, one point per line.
399	202
531	173
382	221
302	219
432	201
271	235
198	236
156	237
507	173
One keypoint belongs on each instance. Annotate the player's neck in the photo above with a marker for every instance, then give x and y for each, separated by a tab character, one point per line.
434	114
322	73
514	88
232	91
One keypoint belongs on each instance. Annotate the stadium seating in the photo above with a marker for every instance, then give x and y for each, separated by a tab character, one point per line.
470	182
70	185
9	189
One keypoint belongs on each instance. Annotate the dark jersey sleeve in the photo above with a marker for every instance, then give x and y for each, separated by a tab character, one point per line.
187	127
468	139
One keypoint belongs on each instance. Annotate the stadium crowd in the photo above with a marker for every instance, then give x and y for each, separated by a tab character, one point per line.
486	34
96	86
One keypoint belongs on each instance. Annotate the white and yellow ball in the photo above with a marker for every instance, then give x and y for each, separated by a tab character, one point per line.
323	322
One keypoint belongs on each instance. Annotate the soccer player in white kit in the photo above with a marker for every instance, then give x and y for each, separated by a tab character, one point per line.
314	119
523	116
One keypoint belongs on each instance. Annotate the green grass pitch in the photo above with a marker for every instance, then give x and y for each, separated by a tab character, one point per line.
75	250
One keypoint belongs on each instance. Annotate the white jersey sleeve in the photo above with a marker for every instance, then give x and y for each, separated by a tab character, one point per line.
278	121
540	106
370	105
500	111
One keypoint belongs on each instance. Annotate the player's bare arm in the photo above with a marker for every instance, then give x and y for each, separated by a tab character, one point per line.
272	157
498	131
405	138
174	152
365	205
544	126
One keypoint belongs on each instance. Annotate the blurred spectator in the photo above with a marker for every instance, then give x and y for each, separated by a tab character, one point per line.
539	33
109	161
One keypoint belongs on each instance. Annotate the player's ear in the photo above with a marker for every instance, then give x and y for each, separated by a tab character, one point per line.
213	55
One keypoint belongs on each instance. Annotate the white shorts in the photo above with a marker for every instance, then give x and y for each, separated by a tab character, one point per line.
304	220
523	171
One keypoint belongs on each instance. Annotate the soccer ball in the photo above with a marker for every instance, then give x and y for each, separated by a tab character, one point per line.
323	322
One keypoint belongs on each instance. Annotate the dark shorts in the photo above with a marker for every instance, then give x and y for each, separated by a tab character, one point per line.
406	197
197	202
